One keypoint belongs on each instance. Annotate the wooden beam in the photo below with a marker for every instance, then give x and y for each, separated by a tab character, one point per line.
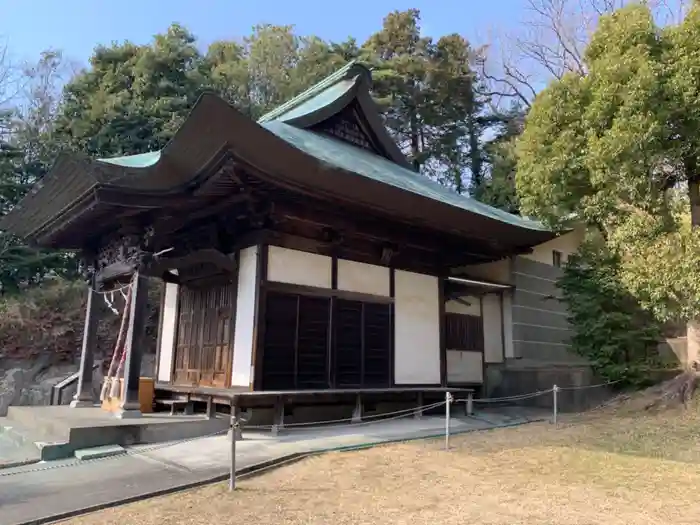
358	223
443	340
174	219
208	255
114	271
326	292
259	317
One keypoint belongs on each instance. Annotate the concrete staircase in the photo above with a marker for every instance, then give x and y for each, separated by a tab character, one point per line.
16	447
57	432
27	441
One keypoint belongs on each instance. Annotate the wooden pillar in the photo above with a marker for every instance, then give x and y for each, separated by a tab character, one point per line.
83	397
135	340
442	283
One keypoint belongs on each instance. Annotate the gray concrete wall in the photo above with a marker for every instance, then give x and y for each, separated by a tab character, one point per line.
515	377
542	355
541	331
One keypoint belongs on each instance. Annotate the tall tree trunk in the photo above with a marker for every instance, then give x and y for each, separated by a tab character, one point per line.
693	327
475	159
415	139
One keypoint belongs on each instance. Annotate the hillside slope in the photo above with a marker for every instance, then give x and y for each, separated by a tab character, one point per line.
40	337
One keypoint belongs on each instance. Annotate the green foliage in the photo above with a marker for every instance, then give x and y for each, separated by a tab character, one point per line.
132	98
25	150
428	90
610	330
608	146
497	186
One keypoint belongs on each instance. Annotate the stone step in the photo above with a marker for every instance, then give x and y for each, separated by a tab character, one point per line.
99	452
15	446
25	440
27	417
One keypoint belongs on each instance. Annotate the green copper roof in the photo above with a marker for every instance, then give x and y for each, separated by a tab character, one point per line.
366	164
322	100
142	160
339	75
327	96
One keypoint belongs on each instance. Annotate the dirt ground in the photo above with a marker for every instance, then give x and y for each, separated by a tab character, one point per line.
613	466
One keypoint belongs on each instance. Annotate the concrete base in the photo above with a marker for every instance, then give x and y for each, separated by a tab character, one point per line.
99	452
82	403
58	431
239	434
523	376
123	413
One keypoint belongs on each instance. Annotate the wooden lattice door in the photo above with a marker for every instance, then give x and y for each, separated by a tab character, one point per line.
204	349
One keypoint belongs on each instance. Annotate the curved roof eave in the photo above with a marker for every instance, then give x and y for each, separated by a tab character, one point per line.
70	175
303	159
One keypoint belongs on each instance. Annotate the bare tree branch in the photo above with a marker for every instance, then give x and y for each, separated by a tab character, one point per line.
551	42
10	77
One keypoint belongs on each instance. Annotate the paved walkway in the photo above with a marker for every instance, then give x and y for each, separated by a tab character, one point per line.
28	493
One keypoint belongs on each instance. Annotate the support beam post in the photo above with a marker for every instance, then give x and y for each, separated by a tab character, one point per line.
130	405
359	409
418	414
278	422
84	396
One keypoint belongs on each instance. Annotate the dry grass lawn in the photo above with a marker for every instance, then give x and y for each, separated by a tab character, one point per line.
614	467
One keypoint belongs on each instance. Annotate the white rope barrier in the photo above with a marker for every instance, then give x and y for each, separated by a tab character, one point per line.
159	446
586	387
398	414
530	395
367	420
504	399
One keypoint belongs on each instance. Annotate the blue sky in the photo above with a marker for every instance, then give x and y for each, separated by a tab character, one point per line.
76	27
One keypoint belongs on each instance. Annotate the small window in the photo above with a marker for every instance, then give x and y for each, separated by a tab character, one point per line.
557	257
464	332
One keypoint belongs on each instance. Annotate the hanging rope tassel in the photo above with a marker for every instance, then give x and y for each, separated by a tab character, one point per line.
107	385
115	390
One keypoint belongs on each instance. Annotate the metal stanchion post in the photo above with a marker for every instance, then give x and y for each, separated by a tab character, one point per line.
555	389
234	431
448	401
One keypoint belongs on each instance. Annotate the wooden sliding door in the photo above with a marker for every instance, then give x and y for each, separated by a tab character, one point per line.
314	342
204	347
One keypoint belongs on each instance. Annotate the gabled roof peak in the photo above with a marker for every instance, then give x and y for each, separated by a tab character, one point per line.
353	69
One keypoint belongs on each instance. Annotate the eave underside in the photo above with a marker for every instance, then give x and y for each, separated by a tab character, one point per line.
219	154
233	208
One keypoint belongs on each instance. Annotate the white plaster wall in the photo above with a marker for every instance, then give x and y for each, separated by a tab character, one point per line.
508	324
285	265
168	332
464	367
363	278
456	307
567	244
242	370
493	331
417	329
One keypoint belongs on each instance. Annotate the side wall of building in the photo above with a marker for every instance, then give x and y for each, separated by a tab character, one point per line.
539	317
537	333
416	304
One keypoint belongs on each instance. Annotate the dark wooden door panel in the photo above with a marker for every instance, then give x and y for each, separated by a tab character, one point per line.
362	344
312	342
279	353
204	349
348	343
464	332
377	345
295	354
